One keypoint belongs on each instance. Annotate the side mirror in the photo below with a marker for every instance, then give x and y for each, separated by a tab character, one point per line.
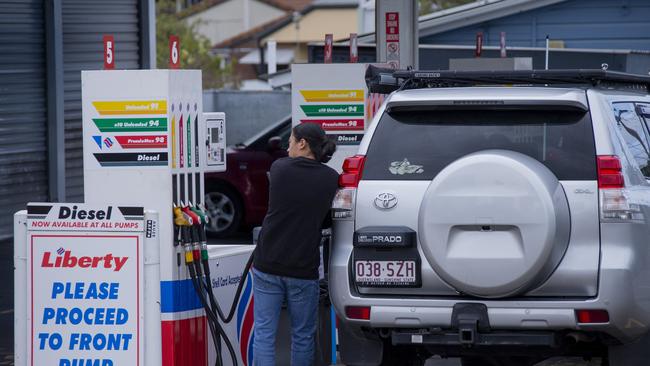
275	144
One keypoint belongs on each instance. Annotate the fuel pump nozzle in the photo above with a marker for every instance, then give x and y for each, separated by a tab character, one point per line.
179	222
196	241
187	222
204	258
204	239
184	222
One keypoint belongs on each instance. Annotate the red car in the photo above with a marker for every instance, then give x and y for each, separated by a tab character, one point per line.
240	195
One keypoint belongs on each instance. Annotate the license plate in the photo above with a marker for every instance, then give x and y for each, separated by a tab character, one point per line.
385	273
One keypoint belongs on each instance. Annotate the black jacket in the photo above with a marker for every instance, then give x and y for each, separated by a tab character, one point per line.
301	191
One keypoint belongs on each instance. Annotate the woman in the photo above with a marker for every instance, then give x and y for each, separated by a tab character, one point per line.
287	255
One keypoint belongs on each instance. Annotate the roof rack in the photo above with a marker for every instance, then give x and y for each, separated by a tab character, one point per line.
386	81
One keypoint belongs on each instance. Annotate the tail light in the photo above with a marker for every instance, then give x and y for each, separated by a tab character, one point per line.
352	169
609	172
358	312
592	316
343	205
615	203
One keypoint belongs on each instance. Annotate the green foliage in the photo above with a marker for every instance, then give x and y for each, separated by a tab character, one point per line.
194	48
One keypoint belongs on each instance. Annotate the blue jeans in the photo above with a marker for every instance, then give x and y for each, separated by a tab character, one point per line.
269	291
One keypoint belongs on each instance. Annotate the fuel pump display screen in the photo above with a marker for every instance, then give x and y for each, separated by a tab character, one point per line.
214	136
216	151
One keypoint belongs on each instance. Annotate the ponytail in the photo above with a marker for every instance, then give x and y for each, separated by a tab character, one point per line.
327	150
319	143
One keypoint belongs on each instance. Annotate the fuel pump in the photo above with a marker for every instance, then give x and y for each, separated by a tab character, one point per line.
185	224
148	142
190	222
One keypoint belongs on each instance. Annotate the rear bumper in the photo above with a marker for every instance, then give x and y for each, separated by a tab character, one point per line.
622	290
627	321
439	315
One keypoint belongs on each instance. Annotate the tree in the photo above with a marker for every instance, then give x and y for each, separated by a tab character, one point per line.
194	48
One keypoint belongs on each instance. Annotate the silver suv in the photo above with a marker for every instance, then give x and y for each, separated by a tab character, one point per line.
503	218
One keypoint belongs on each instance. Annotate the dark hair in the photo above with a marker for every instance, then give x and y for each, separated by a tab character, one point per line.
320	145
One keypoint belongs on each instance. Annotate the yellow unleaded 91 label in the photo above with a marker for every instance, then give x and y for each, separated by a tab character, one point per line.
131	107
333	95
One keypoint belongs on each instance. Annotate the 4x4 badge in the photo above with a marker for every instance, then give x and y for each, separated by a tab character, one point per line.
385	201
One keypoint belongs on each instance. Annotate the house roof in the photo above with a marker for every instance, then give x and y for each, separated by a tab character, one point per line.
469	14
286	5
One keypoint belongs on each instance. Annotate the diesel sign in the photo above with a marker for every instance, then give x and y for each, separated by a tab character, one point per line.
75	214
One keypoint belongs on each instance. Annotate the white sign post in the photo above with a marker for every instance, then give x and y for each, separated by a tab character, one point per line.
396	30
84	273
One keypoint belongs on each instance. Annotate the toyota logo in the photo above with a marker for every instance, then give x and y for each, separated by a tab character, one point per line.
385	201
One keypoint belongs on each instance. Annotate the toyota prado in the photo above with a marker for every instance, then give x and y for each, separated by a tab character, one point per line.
503	218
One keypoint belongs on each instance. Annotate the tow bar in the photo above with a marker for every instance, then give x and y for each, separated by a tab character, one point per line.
470	327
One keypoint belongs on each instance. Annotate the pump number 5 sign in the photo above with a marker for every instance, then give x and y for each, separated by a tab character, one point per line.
109	53
174	52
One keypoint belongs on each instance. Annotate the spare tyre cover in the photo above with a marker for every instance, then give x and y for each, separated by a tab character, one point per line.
494	223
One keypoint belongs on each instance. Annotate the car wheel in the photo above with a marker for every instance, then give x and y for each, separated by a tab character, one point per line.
225	212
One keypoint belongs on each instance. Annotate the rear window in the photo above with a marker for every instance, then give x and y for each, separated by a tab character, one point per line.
417	145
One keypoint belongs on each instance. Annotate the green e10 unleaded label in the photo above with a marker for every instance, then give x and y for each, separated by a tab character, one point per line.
335	110
131	124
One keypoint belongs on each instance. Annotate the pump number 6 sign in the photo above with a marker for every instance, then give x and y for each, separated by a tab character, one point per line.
174	51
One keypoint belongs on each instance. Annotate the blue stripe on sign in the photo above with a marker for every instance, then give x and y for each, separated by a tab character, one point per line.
243	302
178	296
